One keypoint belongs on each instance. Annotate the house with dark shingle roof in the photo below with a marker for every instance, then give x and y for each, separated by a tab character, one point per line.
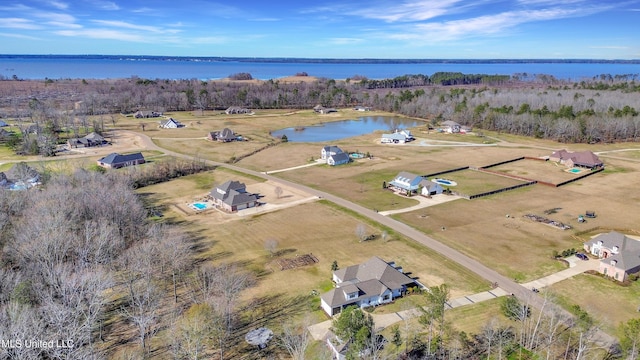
338	159
224	135
233	196
619	254
88	140
116	161
585	159
19	177
374	282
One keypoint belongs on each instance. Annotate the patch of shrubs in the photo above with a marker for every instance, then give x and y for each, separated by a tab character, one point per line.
241	76
564	253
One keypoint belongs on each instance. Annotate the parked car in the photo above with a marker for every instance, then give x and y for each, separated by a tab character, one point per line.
582	256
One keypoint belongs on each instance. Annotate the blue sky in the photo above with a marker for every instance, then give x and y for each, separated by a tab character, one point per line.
464	29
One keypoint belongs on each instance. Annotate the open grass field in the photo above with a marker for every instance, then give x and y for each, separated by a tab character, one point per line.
324	231
520	248
514	246
597	296
547	171
471	182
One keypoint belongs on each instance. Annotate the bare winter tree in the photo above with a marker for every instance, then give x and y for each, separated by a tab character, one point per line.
271	245
295	339
278	191
143	303
361	232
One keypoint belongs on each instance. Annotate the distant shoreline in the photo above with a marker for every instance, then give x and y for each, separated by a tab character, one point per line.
320	60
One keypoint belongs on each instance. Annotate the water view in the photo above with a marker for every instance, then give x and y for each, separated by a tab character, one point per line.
336	130
78	67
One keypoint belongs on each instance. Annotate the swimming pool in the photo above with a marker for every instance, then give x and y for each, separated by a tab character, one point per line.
444	182
574	170
200	206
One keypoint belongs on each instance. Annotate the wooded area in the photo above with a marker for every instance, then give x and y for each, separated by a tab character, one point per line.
604	109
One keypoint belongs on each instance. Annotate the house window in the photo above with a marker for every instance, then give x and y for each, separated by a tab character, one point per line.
616	276
386	297
605	271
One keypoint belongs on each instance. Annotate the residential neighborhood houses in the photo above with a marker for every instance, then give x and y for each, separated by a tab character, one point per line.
116	161
171	123
397	137
237	110
334	155
585	159
232	196
319	109
224	135
619	254
408	184
19	177
146	114
89	140
371	283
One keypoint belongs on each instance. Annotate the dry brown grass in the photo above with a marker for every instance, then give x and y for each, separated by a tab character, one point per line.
514	246
597	295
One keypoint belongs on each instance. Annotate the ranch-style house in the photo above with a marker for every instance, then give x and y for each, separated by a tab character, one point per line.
585	159
116	161
372	283
88	140
619	254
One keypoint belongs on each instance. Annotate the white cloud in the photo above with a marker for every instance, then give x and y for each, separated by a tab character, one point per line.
55	17
19	23
126	25
211	40
16	7
105	5
19	36
64	25
484	25
59	5
409	11
613	47
344	41
104	34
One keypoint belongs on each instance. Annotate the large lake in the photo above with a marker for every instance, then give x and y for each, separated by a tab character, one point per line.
60	67
336	130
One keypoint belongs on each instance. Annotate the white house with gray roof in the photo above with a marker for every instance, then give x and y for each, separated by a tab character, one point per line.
171	123
333	155
232	196
619	254
372	283
397	137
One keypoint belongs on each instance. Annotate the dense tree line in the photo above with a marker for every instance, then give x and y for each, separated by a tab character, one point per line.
605	109
81	265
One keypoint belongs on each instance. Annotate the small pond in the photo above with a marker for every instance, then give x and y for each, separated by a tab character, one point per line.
337	130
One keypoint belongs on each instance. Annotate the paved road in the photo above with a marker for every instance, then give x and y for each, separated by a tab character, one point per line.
492	276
